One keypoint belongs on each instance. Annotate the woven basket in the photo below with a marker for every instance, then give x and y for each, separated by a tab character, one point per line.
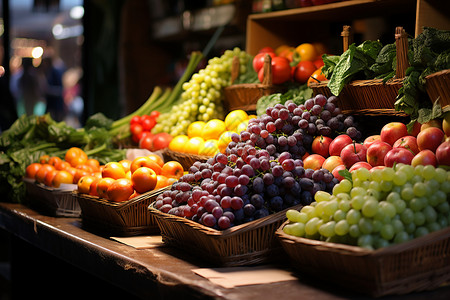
416	265
438	87
373	96
57	202
246	244
245	96
127	218
185	159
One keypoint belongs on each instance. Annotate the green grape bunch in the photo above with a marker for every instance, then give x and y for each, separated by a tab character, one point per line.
202	95
377	208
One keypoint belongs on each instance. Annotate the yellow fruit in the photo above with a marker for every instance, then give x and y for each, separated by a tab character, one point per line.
281	48
195	129
193	145
209	148
307	51
213	129
234	118
178	143
224	140
252	117
242	126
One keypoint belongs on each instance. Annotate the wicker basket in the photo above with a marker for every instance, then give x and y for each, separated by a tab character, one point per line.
127	218
245	96
438	87
417	265
371	97
185	159
57	202
246	244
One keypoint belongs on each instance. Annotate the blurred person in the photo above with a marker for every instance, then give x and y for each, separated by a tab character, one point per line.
53	69
72	96
30	88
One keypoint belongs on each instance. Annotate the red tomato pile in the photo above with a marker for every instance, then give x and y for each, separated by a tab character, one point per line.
140	128
289	63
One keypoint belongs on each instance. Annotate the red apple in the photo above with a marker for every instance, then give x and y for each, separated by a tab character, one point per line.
361	164
321	144
416	128
407	142
430	138
377	168
392	132
370	140
313	161
332	162
376	153
336	170
446	124
353	153
443	154
432	123
338	144
398	155
161	141
424	157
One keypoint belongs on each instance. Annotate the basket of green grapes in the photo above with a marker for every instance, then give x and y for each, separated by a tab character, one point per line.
380	232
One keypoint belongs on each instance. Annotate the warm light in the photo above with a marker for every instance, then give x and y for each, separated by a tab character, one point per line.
76	12
37	52
57	30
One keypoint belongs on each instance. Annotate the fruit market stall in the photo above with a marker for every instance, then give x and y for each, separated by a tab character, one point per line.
154	273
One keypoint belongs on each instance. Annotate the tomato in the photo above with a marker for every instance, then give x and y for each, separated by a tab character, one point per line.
303	71
144	161
94	164
103	185
155	114
78	174
42	172
144	179
62	177
318	62
64	165
84	184
31	170
266	50
75	156
148	123
161	141
55	161
113	170
135	120
317	76
172	169
258	60
93	187
146	142
49	177
85	167
136	132
281	71
120	190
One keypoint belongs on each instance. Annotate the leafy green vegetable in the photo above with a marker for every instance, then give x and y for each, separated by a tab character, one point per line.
297	93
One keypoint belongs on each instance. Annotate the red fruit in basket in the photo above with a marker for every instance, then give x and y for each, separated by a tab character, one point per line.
120	190
258	61
303	71
161	141
31	170
430	138
443	153
391	132
338	144
144	179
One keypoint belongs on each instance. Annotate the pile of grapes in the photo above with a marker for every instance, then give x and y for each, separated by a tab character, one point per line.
377	208
262	171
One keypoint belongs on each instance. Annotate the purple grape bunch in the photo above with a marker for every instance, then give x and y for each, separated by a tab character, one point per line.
262	170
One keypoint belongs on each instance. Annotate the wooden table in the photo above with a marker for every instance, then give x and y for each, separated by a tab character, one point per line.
56	255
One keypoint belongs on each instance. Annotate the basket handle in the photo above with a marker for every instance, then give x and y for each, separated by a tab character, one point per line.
267	70
235	66
401	43
347	37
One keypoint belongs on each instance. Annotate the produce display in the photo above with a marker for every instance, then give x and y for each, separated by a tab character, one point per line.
377	208
262	171
126	179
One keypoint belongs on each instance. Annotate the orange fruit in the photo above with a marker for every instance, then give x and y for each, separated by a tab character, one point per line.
62	176
113	170
85	167
317	76
49	177
144	179
234	118
78	174
103	185
156	158
42	172
307	51
161	181
120	190
75	156
84	184
64	165
144	161
172	169
195	129
31	170
193	145
209	148
213	129
93	187
94	164
55	161
178	143
126	163
224	140
281	48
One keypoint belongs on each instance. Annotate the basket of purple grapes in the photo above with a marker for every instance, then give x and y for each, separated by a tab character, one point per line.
228	208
